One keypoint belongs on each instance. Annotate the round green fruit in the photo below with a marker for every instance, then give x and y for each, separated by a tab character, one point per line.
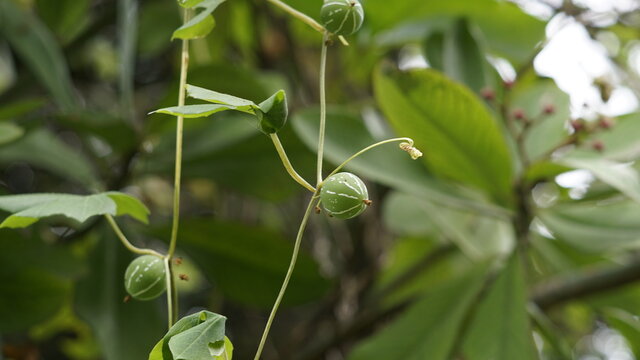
344	195
145	277
342	17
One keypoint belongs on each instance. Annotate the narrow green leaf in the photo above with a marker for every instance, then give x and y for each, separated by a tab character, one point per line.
194	111
38	48
42	149
219	98
460	139
201	24
428	329
462	58
29	208
500	329
9	132
434	50
595	226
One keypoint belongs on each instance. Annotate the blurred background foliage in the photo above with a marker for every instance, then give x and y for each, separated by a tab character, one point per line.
476	251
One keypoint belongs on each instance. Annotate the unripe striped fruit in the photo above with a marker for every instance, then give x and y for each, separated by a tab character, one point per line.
344	195
145	277
342	17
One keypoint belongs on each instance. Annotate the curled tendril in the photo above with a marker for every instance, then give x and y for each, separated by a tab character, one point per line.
409	148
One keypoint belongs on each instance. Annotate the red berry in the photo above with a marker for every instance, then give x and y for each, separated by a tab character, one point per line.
605	123
598	146
518	114
488	94
549	109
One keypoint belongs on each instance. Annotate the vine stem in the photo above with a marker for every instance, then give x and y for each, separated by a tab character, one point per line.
172	296
323	105
126	242
287	164
344	163
285	283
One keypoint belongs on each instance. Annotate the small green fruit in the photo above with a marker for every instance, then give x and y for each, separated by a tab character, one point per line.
342	17
344	195
145	277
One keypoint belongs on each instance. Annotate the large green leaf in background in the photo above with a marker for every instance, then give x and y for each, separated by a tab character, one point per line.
9	132
500	329
346	134
249	263
42	149
429	328
459	54
595	227
35	279
38	49
125	331
459	137
478	236
509	31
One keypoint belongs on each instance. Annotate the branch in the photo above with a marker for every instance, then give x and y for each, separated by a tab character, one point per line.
585	282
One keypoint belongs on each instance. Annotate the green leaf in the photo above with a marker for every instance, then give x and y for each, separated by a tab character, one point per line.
457	134
500	329
462	58
248	263
509	31
595	226
194	337
346	135
622	177
201	24
200	93
9	132
428	329
67	18
196	343
434	50
38	49
194	111
42	149
29	208
189	3
479	237
274	112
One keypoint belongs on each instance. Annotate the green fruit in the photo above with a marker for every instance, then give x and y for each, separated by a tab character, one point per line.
342	17
145	277
344	195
